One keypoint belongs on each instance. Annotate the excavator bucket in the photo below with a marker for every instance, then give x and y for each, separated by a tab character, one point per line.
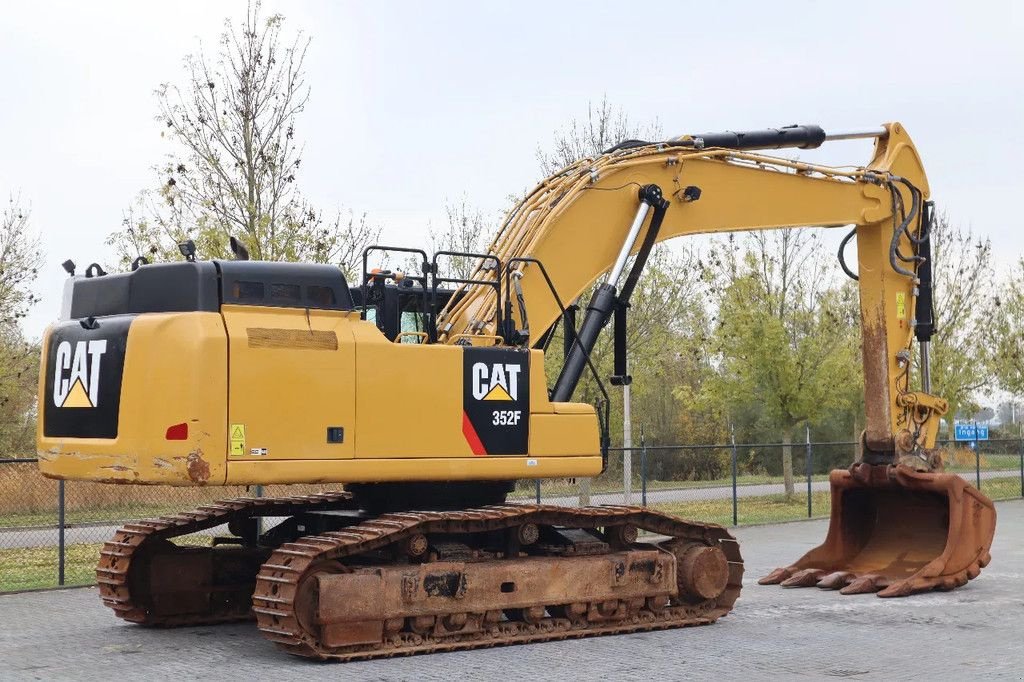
896	531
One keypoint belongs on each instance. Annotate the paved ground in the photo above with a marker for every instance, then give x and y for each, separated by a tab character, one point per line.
48	536
971	633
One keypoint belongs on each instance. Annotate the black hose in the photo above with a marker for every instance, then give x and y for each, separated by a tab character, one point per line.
915	207
898	209
842	255
922	227
627	144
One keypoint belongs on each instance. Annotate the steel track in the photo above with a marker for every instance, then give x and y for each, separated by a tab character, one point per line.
276	585
114	571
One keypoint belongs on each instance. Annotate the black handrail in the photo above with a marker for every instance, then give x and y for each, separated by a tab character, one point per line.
437	279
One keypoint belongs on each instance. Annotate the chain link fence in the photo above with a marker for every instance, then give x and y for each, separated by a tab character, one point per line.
51	531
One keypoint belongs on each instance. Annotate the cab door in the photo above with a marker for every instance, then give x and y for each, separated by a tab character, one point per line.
291	387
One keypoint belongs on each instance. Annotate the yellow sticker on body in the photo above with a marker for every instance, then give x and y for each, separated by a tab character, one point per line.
901	306
237	440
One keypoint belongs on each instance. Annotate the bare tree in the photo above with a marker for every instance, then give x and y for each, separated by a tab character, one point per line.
603	127
20	259
342	243
467	231
1010	412
237	158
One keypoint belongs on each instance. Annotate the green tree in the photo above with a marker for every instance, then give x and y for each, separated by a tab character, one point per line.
235	161
962	358
20	259
783	336
19	373
1006	334
662	344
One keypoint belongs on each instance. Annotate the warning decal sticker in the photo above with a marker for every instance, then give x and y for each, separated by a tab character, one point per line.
237	439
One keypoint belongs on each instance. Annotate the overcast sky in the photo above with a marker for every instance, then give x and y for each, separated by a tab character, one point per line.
414	104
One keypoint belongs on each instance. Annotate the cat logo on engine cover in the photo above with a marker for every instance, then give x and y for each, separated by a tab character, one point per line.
496	400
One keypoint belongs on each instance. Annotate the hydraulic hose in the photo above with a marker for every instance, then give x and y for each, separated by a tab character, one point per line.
842	255
915	206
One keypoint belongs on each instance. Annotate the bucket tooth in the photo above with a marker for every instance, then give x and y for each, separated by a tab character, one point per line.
776	576
836	580
865	584
808	577
896	531
905	587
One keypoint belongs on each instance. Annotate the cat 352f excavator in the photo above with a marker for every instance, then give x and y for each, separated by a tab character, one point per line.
426	396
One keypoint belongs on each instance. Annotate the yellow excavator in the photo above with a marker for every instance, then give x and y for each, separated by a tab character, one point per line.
425	394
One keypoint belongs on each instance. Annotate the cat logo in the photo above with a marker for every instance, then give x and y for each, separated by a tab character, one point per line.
496	401
496	381
76	376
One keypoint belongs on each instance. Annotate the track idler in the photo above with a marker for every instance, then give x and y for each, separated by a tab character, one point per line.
896	531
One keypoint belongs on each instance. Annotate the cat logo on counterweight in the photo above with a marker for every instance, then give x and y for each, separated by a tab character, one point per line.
82	386
76	377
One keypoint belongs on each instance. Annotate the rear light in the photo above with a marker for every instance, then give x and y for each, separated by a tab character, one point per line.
177	432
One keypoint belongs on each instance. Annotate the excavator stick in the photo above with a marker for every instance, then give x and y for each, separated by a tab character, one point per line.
896	531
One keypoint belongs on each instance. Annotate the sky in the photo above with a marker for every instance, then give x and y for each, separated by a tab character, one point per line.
417	104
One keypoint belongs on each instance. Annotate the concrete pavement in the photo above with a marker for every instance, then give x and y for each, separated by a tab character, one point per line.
970	633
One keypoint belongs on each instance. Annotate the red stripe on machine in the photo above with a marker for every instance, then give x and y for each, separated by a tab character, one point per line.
470	433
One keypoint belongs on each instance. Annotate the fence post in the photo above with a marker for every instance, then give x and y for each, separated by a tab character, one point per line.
735	506
807	466
643	469
60	532
536	483
258	492
977	458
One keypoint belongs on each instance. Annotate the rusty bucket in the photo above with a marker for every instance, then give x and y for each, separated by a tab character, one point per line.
896	531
